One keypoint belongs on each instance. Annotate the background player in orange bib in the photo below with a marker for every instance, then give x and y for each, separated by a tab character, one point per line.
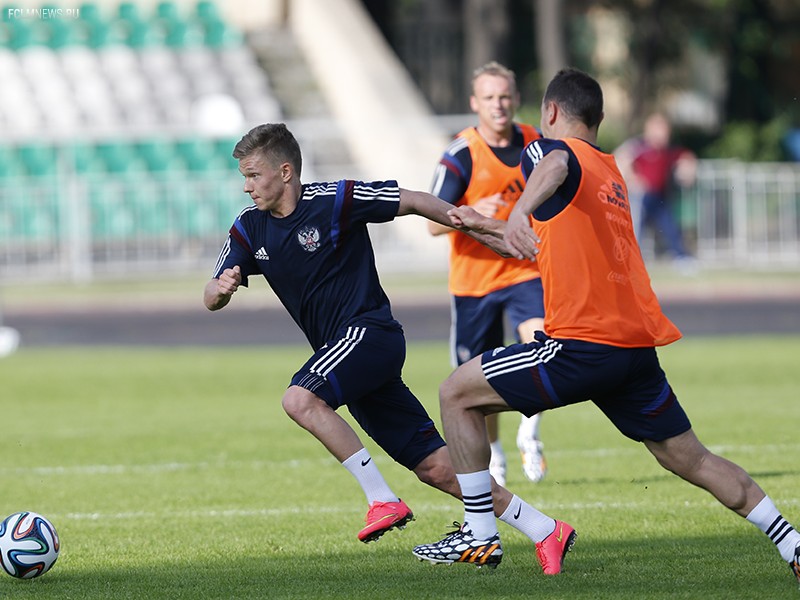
480	168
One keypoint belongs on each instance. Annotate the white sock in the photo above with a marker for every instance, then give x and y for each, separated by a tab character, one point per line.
529	427
767	518
525	518
476	488
363	468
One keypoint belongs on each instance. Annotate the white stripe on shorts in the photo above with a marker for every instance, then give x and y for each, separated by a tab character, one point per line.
339	351
523	360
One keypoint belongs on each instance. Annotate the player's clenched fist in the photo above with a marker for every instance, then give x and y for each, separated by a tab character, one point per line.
218	292
230	280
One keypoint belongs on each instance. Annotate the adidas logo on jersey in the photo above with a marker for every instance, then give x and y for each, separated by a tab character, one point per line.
261	254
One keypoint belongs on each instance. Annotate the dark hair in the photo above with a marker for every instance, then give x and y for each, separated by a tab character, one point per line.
578	95
274	141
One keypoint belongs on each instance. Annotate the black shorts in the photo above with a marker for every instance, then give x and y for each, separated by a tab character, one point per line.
478	322
362	370
627	384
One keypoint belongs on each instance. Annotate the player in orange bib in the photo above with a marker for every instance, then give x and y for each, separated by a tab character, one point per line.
480	168
603	324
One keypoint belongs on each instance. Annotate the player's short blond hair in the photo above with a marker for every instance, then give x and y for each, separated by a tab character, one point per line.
496	69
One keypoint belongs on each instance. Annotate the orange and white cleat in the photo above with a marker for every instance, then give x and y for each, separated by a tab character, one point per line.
461	546
795	564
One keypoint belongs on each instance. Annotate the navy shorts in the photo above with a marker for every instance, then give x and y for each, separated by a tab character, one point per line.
477	322
627	384
361	368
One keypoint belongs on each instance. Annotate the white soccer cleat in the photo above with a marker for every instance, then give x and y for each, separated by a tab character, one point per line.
9	341
533	463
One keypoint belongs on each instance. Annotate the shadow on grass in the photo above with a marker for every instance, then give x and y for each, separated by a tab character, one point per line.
729	567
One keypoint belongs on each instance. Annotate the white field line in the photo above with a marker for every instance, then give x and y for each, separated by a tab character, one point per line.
258	465
71	470
445	509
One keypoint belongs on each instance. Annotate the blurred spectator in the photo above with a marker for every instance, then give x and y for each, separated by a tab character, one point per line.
792	143
654	168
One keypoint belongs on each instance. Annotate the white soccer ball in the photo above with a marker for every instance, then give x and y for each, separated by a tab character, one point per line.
29	545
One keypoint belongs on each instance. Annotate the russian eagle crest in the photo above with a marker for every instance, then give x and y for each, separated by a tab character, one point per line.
308	238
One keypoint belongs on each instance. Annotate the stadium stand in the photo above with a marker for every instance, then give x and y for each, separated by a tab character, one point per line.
117	126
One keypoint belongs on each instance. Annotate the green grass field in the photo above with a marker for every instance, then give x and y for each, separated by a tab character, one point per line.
175	474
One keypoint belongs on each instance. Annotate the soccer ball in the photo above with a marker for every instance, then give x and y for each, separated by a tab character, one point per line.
28	545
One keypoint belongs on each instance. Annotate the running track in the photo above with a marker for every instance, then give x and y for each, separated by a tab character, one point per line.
422	321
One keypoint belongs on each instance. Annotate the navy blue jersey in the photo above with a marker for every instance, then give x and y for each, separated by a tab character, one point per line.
319	259
454	171
533	153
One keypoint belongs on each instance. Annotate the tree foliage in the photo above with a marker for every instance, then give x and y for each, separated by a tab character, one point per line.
737	60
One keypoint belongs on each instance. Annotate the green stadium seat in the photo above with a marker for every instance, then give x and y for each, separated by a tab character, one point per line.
217	34
202	222
157	155
58	32
133	27
228	200
151	214
110	217
191	210
95	29
197	154
175	34
90	12
177	31
129	11
206	10
9	163
118	157
34	212
168	10
11	168
141	34
79	157
183	34
98	34
20	33
167	19
180	202
38	225
223	148
201	218
37	158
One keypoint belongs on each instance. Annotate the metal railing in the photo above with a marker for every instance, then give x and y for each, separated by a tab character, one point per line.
73	227
745	213
79	227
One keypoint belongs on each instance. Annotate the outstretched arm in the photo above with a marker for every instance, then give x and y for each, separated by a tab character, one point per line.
549	174
218	292
487	206
435	209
